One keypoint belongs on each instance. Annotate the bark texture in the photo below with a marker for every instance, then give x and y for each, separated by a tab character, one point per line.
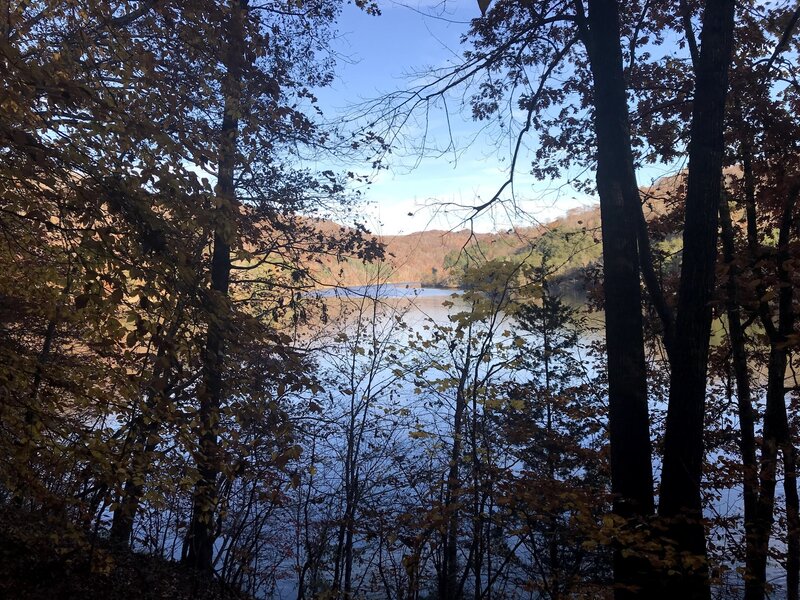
680	503
631	466
741	373
201	537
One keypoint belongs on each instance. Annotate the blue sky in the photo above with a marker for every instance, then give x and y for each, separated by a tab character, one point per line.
378	55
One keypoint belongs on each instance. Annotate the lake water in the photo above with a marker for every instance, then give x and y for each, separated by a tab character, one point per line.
416	302
420	306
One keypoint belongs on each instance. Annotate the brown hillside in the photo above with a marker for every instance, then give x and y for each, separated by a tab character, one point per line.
424	256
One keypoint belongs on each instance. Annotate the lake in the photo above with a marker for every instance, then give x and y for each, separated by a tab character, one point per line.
420	306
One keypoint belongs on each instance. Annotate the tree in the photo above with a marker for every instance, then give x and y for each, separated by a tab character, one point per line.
200	538
457	369
535	48
361	373
554	424
680	497
117	121
631	468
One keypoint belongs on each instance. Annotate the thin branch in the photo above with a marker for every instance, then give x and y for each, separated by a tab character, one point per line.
476	210
128	18
635	36
651	279
784	41
686	18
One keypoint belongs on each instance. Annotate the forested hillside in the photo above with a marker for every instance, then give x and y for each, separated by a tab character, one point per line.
433	257
436	257
211	388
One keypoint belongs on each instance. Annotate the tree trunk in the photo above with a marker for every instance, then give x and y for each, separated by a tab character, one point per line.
448	581
680	500
631	467
792	521
31	423
776	436
747	442
786	329
139	459
125	514
201	535
774	421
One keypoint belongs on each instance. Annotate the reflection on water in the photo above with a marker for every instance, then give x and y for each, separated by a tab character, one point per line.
419	306
416	304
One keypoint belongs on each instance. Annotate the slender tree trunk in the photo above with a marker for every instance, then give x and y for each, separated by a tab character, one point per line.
786	328
124	516
477	502
41	362
631	467
774	422
792	521
139	467
136	454
680	500
754	583
31	424
747	441
44	355
448	583
338	563
349	524
776	436
552	519
201	535
140	456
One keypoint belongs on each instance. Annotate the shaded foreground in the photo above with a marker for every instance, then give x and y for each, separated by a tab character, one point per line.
45	558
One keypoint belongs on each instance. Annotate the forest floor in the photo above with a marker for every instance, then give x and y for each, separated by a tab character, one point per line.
41	558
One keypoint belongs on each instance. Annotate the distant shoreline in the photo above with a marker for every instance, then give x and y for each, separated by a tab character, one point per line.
437	286
407	284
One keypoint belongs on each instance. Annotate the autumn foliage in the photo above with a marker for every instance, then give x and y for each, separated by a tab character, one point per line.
208	387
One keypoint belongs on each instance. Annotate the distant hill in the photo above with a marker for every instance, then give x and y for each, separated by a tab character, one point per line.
431	257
